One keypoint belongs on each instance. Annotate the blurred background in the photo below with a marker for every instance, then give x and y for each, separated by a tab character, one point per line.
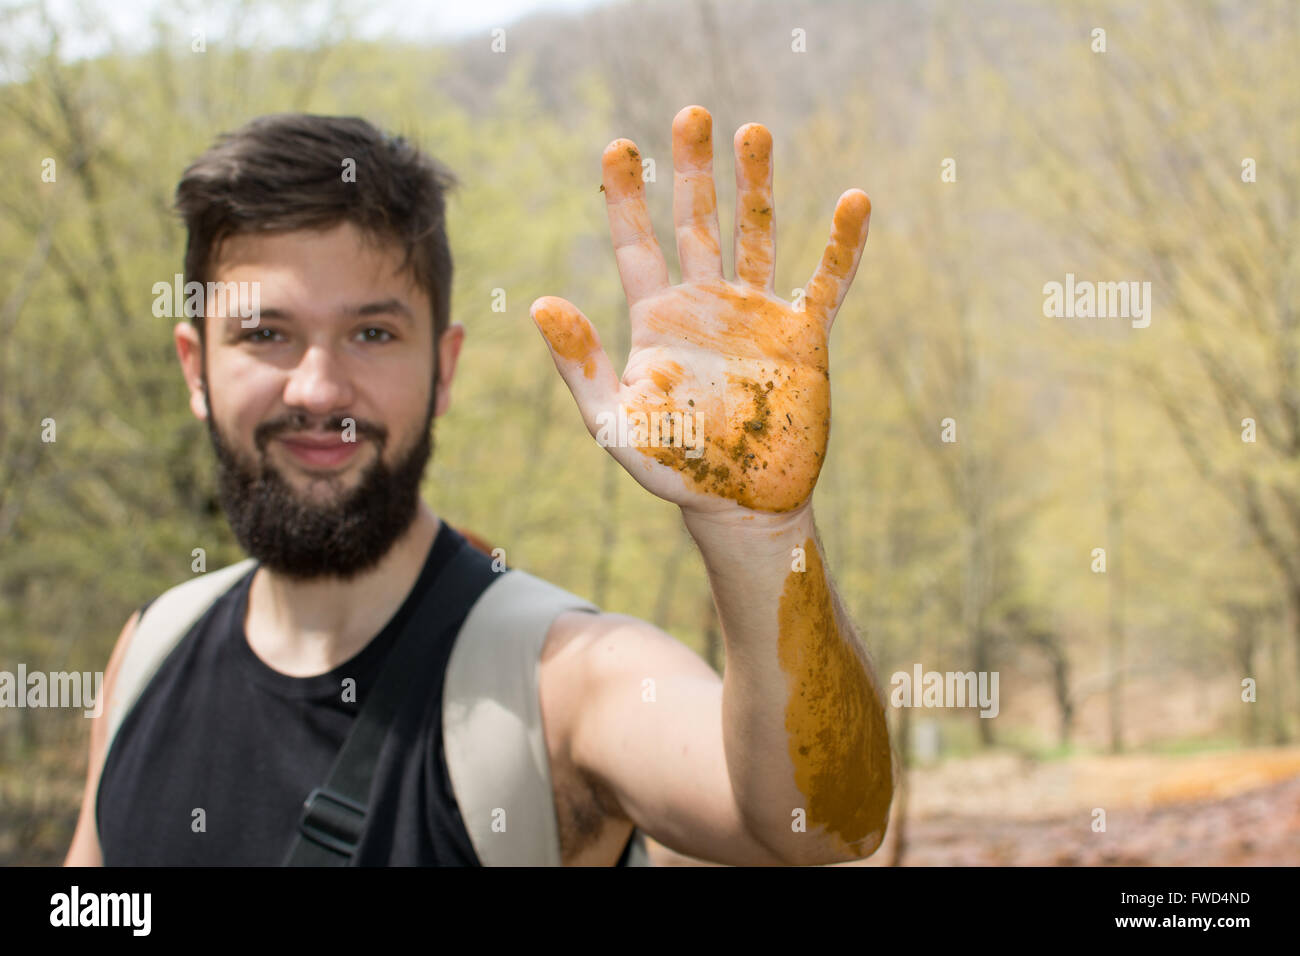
1004	145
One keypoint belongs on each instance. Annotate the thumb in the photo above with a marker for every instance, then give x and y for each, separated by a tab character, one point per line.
581	361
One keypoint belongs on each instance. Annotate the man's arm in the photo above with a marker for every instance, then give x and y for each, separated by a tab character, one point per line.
85	850
803	717
786	759
724	410
636	710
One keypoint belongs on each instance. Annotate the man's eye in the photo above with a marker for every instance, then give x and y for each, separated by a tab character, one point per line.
260	335
377	335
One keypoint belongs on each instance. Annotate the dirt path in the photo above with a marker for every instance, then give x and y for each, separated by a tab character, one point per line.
1237	808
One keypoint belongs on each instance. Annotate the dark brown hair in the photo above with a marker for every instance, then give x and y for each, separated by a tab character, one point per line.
286	172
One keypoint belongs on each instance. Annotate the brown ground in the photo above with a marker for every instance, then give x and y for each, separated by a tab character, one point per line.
1239	808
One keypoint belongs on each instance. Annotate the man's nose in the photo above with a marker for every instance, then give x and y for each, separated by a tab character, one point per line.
320	383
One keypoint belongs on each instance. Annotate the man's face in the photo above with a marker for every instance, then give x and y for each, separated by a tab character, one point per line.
343	334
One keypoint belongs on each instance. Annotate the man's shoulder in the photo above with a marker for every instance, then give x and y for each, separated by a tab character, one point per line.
587	658
588	644
203	588
161	621
582	654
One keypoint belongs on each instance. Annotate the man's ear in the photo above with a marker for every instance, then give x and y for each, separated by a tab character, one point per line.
448	351
190	352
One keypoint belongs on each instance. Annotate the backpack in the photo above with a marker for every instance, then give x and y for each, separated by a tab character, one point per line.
493	738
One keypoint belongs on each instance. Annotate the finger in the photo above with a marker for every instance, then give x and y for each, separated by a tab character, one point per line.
581	361
695	200
755	241
640	262
826	289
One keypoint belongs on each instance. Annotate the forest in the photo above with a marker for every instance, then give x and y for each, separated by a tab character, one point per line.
1100	504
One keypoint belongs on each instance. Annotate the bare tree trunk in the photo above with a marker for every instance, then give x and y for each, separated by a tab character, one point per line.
1293	599
608	534
903	787
1245	641
622	339
1277	710
974	598
1114	573
1053	648
713	650
664	601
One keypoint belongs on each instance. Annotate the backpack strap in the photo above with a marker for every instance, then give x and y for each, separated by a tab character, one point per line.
165	621
492	732
334	815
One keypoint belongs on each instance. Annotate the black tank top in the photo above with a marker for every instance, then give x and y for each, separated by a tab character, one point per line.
213	763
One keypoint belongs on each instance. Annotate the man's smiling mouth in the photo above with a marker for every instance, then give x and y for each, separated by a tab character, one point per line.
320	452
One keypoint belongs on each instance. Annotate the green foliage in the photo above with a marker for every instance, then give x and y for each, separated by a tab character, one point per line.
1121	166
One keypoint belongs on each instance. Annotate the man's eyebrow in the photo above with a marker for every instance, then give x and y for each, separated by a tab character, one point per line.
383	307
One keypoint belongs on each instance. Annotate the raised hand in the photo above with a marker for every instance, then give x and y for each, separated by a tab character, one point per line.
725	401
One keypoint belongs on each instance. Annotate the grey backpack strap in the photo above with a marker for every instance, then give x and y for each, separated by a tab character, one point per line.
167	620
492	722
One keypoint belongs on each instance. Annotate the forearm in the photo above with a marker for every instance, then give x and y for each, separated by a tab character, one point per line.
803	723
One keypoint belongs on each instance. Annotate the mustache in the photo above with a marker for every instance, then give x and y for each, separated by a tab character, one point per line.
302	422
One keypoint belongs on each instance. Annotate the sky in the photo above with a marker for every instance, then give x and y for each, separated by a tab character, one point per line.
87	25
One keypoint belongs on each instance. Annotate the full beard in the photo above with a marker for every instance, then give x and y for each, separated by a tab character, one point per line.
303	539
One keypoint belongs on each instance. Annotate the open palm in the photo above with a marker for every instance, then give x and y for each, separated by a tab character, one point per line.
725	401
